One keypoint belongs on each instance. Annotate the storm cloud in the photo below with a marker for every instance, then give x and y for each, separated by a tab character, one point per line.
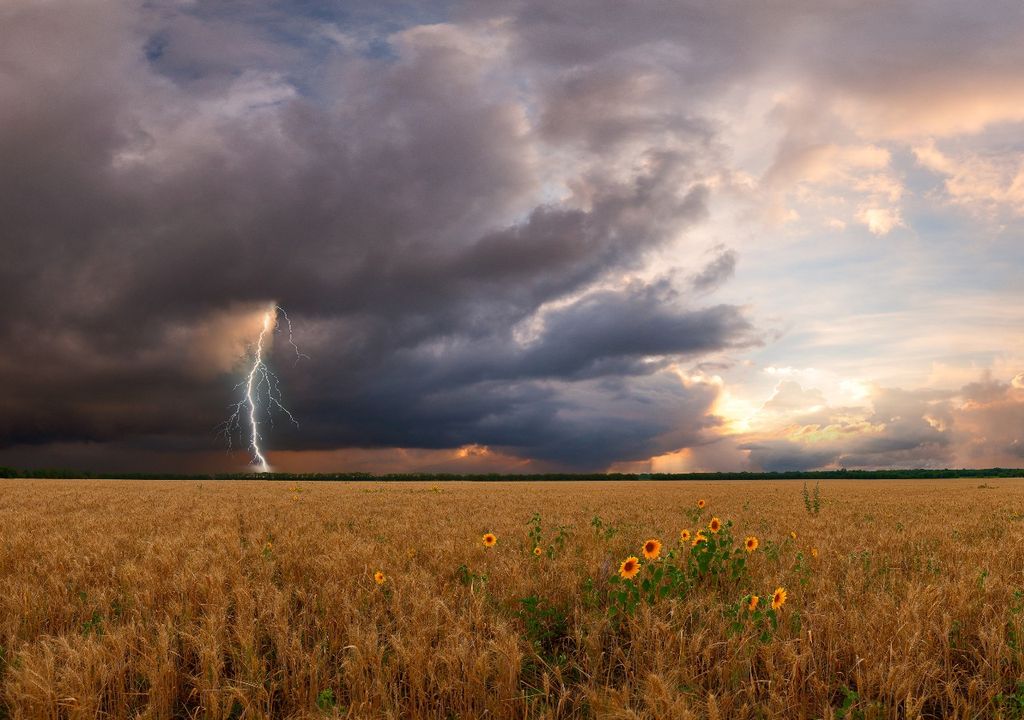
155	187
487	221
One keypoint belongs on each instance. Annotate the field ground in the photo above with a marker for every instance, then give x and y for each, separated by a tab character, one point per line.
255	599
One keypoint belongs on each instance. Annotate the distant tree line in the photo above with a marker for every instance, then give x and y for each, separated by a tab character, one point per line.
909	474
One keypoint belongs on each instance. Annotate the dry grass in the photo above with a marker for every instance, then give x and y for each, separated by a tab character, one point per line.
164	599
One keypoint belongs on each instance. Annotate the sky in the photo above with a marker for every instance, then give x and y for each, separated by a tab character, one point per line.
517	236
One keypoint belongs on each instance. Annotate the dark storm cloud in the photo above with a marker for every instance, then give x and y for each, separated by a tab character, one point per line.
626	326
612	346
583	424
394	204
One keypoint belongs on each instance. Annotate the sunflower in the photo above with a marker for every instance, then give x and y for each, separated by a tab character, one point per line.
537	551
684	536
629	567
778	598
652	549
752	603
379	578
698	538
701	504
715	525
490	539
814	552
750	544
792	534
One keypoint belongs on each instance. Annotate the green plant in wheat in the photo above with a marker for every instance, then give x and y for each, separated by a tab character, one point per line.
470	578
802	569
547	625
602	529
661	577
713	560
759	613
695	513
1014	629
536	536
812	502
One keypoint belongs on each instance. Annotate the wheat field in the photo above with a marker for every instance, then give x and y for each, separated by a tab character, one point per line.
259	599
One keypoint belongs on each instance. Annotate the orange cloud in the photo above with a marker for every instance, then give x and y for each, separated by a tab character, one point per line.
983	182
952	106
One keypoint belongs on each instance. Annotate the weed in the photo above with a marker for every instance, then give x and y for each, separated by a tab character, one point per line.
325	700
94	625
1012	703
468	577
848	709
547	626
536	537
602	529
812	503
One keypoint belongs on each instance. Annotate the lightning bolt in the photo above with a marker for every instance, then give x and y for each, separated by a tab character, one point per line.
261	388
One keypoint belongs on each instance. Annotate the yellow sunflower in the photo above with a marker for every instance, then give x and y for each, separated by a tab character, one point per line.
792	534
537	551
750	544
652	549
779	598
379	578
715	525
701	504
752	603
490	539
698	538
814	552
629	567
684	536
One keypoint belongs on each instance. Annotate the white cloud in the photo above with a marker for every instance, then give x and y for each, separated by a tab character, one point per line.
880	221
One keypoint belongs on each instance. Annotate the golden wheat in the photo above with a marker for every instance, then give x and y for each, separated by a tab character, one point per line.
233	599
